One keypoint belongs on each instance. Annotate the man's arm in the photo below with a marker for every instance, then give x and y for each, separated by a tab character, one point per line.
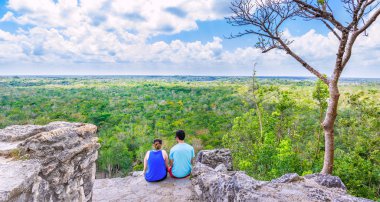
171	158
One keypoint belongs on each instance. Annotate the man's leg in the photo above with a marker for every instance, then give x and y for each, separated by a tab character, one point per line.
171	174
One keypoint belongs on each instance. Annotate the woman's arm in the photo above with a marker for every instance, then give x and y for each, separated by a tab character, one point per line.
145	162
166	158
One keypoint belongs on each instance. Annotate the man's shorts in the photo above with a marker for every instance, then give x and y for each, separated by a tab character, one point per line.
171	174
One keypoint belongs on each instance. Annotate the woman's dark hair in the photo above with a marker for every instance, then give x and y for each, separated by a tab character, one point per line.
180	134
157	143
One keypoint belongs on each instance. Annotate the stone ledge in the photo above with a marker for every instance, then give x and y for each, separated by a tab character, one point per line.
213	158
61	165
16	178
135	188
212	182
7	148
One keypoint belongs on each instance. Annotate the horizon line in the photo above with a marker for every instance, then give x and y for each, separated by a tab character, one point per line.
167	75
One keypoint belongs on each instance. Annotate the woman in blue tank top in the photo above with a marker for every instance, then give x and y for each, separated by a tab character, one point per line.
156	163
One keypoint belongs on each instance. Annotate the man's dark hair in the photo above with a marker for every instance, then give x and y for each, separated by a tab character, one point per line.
157	140
180	134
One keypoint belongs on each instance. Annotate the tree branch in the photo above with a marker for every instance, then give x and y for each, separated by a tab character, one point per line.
331	29
355	35
247	32
356	13
269	49
318	13
303	62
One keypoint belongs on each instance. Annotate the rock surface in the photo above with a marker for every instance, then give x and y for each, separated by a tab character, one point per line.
55	162
214	184
214	158
17	179
135	188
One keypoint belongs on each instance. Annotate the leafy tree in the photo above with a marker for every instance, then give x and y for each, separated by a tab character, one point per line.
266	20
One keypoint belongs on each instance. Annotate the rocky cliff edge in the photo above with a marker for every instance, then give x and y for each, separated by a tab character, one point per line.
54	162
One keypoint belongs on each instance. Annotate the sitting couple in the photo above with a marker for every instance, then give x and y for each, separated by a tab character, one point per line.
156	162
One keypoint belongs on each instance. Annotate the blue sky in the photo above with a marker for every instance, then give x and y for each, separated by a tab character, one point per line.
182	37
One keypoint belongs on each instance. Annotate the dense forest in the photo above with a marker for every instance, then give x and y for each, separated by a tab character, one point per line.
272	125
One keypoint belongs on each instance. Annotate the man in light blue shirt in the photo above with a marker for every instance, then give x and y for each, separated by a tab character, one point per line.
180	157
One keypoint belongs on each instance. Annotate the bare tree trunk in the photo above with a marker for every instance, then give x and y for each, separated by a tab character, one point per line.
259	116
256	104
328	127
109	169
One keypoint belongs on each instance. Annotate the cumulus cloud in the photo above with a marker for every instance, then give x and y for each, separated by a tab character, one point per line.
107	31
117	32
321	51
144	17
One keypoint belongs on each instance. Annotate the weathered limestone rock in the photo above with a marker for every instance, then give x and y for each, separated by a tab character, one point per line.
135	188
17	179
212	183
327	180
290	177
215	157
19	132
220	168
55	162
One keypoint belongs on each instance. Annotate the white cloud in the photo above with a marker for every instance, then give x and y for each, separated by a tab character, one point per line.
8	16
315	45
146	17
108	31
321	51
116	32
